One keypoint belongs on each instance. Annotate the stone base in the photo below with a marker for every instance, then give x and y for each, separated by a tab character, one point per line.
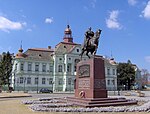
98	93
90	79
100	102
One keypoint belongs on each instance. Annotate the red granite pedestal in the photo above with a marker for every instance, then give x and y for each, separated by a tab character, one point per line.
90	86
90	79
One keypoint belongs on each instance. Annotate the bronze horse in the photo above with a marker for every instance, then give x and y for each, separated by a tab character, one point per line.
92	45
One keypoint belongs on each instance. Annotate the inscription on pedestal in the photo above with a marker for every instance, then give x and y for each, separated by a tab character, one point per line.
84	70
84	83
99	84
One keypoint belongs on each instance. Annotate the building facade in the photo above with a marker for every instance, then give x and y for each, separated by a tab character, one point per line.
55	68
111	74
138	78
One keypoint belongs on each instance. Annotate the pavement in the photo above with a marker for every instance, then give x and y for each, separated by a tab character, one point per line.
16	94
13	95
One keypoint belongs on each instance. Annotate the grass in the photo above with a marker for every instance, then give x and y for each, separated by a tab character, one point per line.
16	107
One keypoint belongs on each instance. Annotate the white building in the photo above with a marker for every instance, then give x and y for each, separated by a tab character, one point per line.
111	74
32	69
54	68
138	78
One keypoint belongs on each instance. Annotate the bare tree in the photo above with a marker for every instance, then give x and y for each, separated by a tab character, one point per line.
144	73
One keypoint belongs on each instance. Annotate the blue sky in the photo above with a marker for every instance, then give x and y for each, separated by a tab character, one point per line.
125	25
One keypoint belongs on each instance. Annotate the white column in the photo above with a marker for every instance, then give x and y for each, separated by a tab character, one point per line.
64	77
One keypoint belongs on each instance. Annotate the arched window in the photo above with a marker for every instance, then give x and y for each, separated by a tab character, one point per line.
59	68
75	64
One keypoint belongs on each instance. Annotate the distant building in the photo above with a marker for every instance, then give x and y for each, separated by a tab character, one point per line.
111	74
145	79
138	78
55	68
148	81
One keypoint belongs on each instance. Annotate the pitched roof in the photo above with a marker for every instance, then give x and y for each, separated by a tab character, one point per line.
65	47
110	61
39	53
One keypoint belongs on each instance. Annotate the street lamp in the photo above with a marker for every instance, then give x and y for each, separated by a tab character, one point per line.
52	85
114	85
124	87
70	85
118	84
17	83
24	83
14	81
37	82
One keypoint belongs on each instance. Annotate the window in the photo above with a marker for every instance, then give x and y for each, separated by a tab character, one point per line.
44	67
51	68
50	80
69	81
114	72
77	50
60	81
21	67
36	80
28	80
108	71
29	66
69	67
43	80
36	67
21	80
108	82
113	82
59	68
75	66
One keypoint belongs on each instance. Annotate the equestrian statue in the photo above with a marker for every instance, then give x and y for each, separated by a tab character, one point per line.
91	41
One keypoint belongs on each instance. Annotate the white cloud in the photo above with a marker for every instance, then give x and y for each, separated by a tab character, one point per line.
132	2
147	59
24	24
6	24
112	21
93	3
29	30
146	11
49	20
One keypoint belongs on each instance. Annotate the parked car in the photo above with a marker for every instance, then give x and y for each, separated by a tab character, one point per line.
45	90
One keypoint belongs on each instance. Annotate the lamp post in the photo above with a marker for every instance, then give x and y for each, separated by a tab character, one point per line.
114	85
118	87
70	85
14	81
17	83
37	82
118	84
52	85
124	87
24	83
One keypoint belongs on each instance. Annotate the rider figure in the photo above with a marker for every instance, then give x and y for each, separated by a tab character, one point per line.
88	35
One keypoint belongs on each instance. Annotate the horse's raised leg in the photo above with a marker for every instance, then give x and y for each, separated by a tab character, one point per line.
95	50
81	54
87	54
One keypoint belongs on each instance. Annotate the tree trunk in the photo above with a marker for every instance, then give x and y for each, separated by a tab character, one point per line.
0	89
129	84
